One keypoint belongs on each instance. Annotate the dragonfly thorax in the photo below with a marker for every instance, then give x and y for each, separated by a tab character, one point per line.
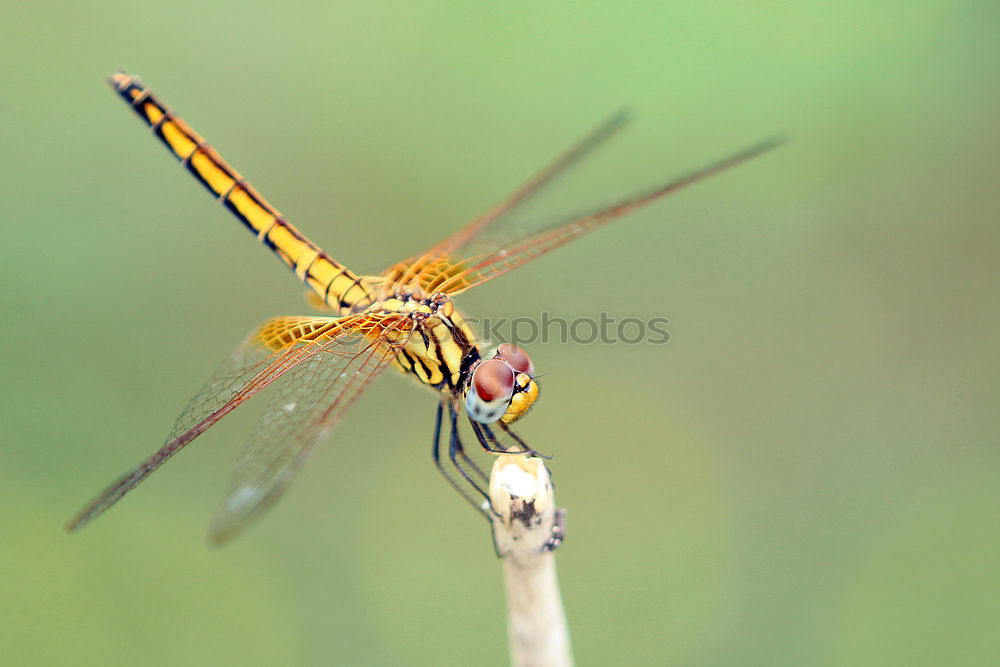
441	345
414	304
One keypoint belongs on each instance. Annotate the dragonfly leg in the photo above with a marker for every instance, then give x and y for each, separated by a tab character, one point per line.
455	449
436	453
487	442
516	438
472	464
490	443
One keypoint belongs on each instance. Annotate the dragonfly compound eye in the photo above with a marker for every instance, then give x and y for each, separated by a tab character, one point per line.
490	391
516	357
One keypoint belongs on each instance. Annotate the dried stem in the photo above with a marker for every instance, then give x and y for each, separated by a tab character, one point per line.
527	527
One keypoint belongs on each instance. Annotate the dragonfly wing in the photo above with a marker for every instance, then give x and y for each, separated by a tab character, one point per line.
480	228
491	223
273	349
306	404
473	265
504	238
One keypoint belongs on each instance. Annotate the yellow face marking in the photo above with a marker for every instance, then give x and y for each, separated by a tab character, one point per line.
218	180
180	143
522	400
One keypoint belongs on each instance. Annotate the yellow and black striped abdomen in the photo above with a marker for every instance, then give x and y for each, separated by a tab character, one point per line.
337	286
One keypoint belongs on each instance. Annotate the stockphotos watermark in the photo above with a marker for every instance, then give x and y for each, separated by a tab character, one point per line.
605	329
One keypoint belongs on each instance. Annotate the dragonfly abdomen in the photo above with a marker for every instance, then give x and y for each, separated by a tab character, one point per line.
337	286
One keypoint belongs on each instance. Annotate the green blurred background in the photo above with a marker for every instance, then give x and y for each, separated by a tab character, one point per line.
807	474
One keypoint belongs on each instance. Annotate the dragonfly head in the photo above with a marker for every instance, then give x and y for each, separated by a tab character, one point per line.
501	388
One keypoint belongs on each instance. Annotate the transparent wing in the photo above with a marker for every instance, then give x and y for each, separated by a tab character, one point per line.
306	404
483	258
485	229
273	349
501	241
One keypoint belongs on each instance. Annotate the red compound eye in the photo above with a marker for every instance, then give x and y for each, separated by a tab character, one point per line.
516	357
493	380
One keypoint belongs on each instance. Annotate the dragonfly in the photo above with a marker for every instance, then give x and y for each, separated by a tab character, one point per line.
405	316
